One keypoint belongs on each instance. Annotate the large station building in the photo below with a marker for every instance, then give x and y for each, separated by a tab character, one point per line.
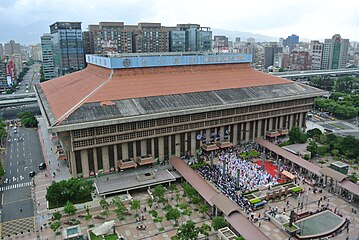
131	110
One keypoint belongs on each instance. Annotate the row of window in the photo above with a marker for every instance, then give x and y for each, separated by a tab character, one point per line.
180	128
105	130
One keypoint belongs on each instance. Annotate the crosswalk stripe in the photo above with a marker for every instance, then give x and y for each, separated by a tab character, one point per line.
14	186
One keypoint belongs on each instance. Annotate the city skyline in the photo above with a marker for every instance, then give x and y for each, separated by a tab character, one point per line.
307	19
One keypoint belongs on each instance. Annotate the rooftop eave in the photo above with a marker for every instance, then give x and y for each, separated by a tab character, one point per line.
76	126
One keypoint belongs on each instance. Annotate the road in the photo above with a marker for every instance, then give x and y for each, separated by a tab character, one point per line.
30	78
23	154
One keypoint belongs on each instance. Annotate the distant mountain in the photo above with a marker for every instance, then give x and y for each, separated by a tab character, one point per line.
243	35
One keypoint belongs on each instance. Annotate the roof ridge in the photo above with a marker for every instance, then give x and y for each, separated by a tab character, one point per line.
66	114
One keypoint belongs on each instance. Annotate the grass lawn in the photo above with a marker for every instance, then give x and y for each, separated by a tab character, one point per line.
108	237
286	225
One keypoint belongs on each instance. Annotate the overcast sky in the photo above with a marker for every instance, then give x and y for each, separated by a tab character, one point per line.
310	19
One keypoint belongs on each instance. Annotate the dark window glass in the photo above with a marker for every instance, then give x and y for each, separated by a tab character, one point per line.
130	149
111	156
90	160
99	158
165	143
78	162
149	146
138	148
156	148
119	151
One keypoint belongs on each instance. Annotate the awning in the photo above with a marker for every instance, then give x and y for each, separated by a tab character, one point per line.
288	174
224	204
224	144
104	228
290	156
350	186
211	147
337	176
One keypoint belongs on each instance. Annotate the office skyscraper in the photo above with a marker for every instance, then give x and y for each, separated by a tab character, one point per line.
67	47
1	51
291	41
335	52
269	54
48	57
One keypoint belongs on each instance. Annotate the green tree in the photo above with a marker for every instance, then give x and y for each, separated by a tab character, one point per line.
173	187
70	208
314	133
202	209
312	147
297	136
218	223
205	229
159	193
173	214
135	205
187	231
88	216
55	226
104	204
188	190
28	119
57	216
120	208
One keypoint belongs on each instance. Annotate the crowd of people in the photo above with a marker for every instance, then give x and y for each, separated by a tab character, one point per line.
225	174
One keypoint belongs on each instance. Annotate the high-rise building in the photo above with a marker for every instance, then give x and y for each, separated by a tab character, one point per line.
68	50
251	40
47	57
151	37
291	41
237	39
116	37
269	53
1	51
316	52
335	52
11	48
36	52
197	38
299	60
220	43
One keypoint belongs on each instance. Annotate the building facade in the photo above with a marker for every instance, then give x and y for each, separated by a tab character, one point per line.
67	47
165	105
12	48
335	53
48	66
269	54
116	37
299	60
316	53
291	41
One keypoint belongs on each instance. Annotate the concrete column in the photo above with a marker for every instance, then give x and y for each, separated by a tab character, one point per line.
291	122
248	125
302	119
153	147
177	145
235	134
85	164
115	155
265	125
186	138
161	148
222	133
271	123
134	149
124	150
95	159
170	153
143	147
208	135
193	142
281	121
259	128
106	162
72	162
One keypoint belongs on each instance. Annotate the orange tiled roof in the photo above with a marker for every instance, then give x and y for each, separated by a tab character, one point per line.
98	84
